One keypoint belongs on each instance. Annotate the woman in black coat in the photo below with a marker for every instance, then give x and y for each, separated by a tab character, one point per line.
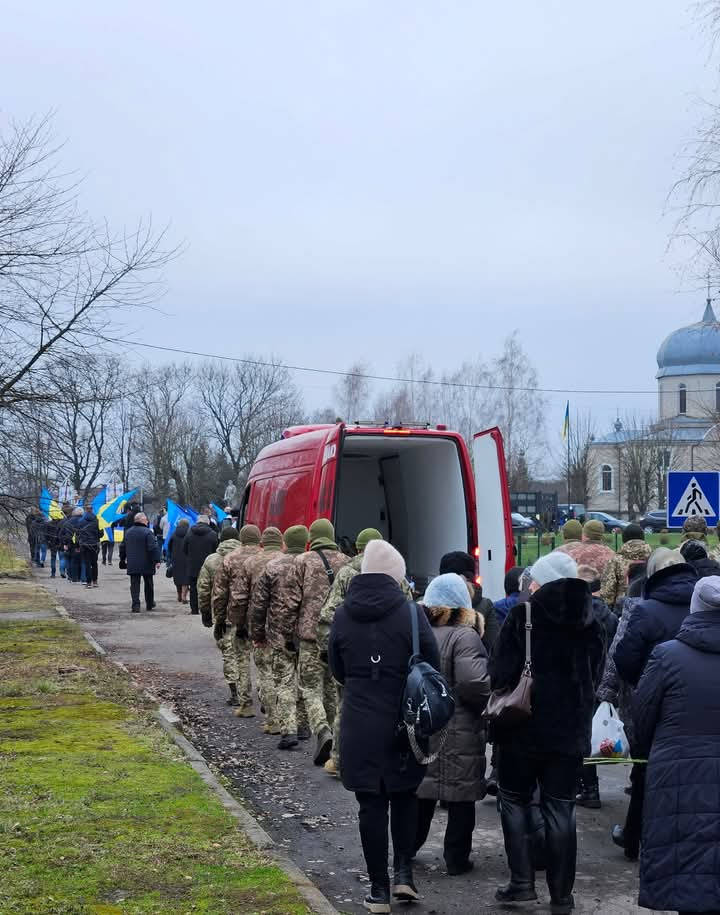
547	749
457	776
369	649
677	715
178	560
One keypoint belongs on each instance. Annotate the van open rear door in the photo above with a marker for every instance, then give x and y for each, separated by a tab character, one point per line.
327	475
494	522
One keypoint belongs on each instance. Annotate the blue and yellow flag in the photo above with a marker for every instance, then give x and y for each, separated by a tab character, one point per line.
220	514
48	506
566	421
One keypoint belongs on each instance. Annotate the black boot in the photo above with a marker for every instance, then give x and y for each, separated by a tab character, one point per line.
323	747
618	837
377	900
537	836
560	852
287	742
403	884
589	794
233	700
514	817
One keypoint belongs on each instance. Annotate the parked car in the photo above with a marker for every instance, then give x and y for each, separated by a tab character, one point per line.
521	524
654	521
611	523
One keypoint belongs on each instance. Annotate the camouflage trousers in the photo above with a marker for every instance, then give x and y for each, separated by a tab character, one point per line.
336	726
236	656
267	693
283	669
317	687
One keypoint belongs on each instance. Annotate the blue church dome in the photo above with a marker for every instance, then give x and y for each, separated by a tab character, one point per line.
693	350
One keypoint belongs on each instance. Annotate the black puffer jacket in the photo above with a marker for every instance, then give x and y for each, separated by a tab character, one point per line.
140	550
88	535
656	618
200	542
458	774
677	711
375	619
568	653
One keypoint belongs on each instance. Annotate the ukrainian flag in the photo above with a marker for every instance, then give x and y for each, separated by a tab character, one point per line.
566	421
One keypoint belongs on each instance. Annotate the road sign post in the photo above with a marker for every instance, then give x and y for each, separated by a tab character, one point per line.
692	495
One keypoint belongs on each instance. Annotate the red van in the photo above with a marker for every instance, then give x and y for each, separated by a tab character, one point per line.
415	485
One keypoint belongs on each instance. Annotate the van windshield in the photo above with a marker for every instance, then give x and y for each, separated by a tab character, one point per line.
409	487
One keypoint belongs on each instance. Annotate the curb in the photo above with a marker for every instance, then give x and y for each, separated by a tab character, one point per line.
168	720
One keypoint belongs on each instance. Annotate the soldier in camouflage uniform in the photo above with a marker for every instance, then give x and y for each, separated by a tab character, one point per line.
694	529
591	552
614	581
229	541
271	626
241	600
234	638
308	587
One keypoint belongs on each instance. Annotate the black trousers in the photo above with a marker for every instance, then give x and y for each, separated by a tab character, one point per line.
633	820
135	591
458	832
194	605
90	561
75	564
107	547
518	776
373	818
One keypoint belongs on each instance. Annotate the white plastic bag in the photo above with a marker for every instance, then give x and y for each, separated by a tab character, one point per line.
608	734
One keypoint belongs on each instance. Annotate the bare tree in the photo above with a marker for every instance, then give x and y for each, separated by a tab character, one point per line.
352	393
646	455
246	407
582	469
63	279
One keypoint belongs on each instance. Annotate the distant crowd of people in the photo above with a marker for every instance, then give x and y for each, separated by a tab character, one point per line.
330	638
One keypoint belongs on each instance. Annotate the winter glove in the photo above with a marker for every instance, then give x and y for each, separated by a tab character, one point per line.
122	564
219	631
206	619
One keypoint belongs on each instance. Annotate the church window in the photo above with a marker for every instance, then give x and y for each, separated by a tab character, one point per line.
606	481
682	399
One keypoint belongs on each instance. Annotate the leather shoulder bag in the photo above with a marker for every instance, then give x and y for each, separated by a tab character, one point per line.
514	705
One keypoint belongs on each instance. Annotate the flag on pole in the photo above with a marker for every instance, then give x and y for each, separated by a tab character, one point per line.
100	499
48	506
174	513
219	513
566	421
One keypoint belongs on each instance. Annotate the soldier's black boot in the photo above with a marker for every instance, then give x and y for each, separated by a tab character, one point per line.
323	748
514	817
233	700
377	900
287	742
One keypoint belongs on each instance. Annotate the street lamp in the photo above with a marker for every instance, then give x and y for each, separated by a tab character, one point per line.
695	444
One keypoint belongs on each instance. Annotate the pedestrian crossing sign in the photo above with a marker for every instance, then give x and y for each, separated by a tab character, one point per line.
692	495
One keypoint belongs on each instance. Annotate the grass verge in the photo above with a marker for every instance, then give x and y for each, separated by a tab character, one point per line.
11	566
99	812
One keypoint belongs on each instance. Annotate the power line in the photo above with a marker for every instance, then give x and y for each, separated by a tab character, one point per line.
370	377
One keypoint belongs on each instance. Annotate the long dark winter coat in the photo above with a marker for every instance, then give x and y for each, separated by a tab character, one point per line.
178	557
458	774
568	653
375	619
140	550
677	706
200	542
656	618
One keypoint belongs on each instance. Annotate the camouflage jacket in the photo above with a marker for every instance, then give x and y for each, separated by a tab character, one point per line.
594	555
613	583
208	570
226	573
269	620
243	586
308	588
337	596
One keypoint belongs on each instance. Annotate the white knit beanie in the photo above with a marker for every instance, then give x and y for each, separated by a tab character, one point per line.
553	567
382	558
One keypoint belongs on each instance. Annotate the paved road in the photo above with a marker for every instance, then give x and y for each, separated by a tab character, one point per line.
306	811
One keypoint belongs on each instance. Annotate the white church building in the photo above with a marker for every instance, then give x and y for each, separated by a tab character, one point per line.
688	421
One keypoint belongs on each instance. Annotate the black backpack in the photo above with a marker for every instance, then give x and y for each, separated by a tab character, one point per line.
427	703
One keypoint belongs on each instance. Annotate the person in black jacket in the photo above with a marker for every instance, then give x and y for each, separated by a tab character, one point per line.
677	711
369	649
88	538
54	544
140	555
695	553
464	565
547	749
199	543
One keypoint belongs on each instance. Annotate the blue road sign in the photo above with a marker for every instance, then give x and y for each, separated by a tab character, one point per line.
692	495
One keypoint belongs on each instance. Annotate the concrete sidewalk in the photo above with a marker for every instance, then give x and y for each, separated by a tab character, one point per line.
306	812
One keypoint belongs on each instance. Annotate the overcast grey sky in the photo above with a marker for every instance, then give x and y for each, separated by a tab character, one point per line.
367	179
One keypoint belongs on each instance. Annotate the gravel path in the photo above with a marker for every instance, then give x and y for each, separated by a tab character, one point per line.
307	812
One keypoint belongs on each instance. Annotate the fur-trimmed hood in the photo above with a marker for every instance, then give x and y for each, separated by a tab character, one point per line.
444	616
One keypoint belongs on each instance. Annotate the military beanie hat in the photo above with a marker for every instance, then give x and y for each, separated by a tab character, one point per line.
594	531
572	530
296	538
229	533
250	535
364	537
322	534
696	525
272	538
